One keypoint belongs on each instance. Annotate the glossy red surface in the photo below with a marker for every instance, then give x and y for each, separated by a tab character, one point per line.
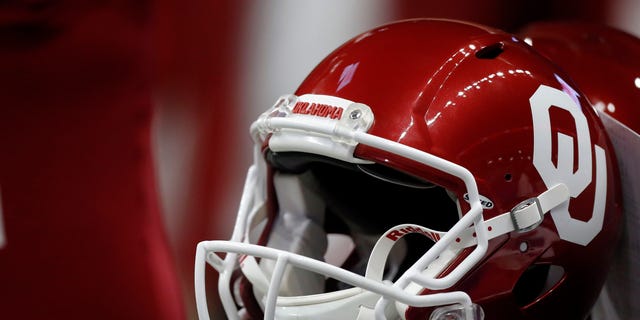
429	90
602	60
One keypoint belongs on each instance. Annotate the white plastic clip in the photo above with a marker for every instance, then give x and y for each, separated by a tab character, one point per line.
522	217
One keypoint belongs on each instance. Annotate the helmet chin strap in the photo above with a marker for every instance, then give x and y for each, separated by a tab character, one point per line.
524	217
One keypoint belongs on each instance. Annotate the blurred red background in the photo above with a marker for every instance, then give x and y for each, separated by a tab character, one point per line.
124	132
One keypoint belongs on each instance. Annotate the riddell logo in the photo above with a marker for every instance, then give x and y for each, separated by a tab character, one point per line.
398	233
484	201
318	109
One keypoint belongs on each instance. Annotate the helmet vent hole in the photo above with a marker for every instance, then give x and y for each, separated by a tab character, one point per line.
507	177
536	282
491	51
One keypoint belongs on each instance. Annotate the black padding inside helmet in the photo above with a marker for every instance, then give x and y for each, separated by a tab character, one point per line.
299	162
374	201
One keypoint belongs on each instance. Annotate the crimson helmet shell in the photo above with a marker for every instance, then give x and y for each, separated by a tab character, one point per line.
461	92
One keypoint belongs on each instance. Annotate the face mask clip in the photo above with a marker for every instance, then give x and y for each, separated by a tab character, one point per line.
458	312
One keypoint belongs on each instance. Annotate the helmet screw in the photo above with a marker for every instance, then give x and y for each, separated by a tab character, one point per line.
355	114
524	246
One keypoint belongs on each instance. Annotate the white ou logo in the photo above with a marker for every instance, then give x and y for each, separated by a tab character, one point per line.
569	228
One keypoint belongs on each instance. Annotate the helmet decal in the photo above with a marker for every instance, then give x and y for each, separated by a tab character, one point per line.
569	228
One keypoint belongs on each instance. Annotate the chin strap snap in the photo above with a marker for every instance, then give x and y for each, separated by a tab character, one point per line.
528	214
524	217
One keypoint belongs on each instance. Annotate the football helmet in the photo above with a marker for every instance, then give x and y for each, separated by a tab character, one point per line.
426	169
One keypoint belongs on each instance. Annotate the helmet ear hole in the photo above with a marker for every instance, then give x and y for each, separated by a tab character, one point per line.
490	51
536	282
